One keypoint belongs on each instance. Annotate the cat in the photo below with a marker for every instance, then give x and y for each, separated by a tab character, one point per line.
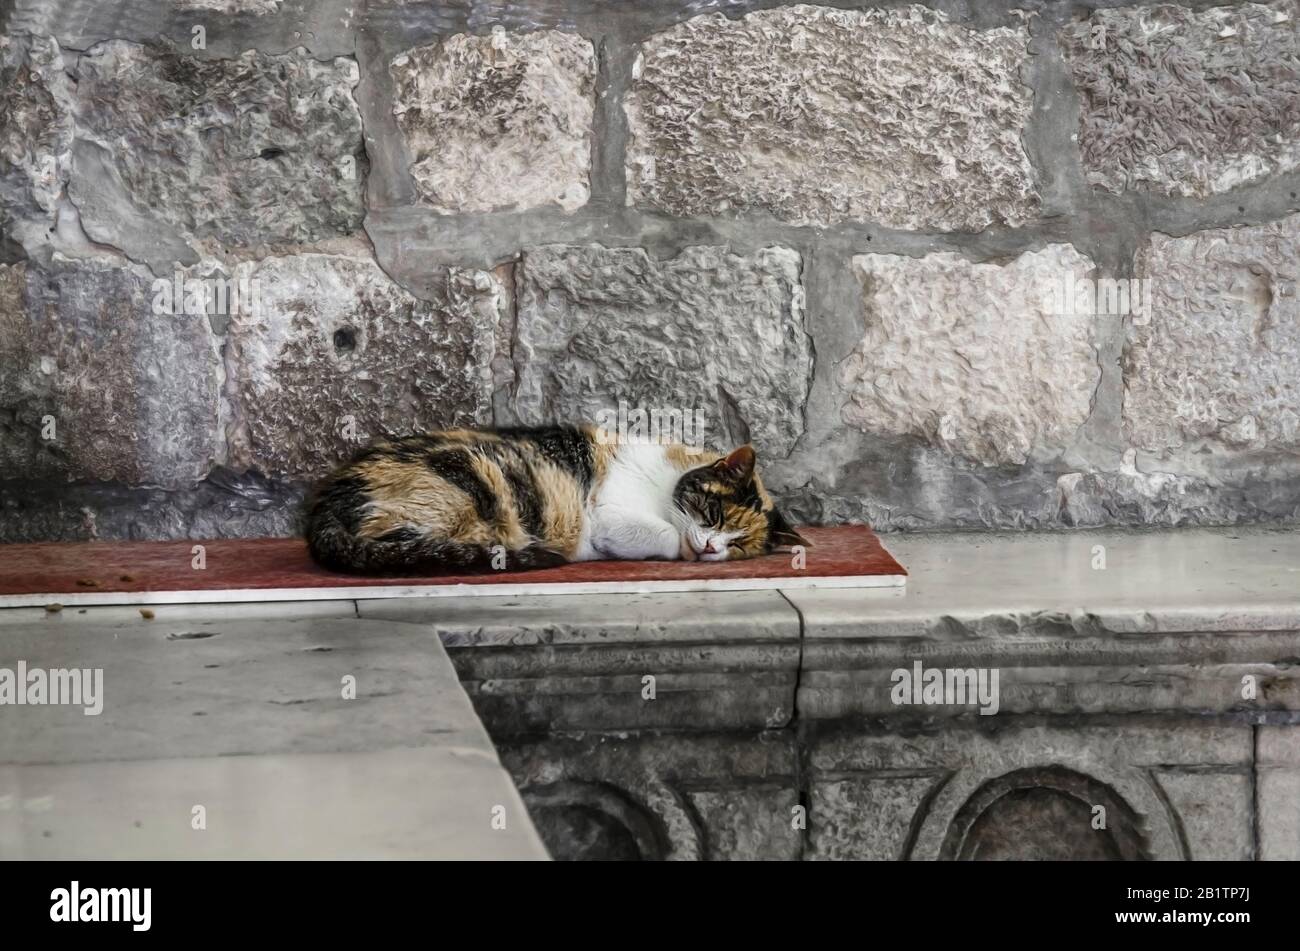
520	498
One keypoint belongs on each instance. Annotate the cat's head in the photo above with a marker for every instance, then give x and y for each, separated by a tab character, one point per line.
724	513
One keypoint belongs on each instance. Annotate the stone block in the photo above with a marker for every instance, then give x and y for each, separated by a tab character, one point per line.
36	130
1277	779
1218	364
985	360
816	116
1031	791
97	386
660	796
707	330
336	355
1145	75
498	122
257	150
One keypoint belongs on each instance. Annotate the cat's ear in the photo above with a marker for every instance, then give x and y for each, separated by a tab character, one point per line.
738	466
780	533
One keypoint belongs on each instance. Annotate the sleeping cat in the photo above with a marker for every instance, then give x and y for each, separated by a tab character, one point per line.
451	500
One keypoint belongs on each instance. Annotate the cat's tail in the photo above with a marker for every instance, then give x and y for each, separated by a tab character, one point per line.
411	552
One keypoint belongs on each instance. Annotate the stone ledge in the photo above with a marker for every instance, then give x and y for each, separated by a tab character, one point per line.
720	660
1172	623
246	716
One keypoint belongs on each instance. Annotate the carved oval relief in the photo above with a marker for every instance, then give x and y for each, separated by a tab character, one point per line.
1045	813
581	821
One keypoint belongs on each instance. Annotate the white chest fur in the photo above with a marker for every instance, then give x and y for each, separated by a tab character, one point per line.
632	515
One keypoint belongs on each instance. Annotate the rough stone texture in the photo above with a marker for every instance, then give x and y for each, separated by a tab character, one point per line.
836	827
643	795
817	116
708	330
1219	362
1023	790
255	7
500	121
1277	777
1187	102
970	357
573	663
337	355
35	134
133	395
1209	807
224	505
261	149
1151	496
749	824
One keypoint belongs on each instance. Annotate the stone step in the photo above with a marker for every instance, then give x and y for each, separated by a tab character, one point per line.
288	737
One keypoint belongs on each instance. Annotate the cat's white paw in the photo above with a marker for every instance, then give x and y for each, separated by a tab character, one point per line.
687	553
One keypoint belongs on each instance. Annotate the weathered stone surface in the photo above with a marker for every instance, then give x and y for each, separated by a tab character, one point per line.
683	795
1219	361
1214	811
224	505
972	357
255	7
500	121
981	592
1146	74
1043	773
1277	777
707	330
127	394
720	659
245	715
337	355
865	818
1150	496
261	149
748	824
35	134
817	115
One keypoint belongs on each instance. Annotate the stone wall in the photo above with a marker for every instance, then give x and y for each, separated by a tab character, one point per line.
860	235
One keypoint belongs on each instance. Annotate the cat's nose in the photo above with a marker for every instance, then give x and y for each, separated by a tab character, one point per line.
709	549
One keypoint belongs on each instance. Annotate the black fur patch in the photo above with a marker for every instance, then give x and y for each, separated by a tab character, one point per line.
566	446
519	476
343	499
456	467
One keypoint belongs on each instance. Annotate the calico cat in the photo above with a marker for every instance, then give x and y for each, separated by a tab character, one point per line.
451	500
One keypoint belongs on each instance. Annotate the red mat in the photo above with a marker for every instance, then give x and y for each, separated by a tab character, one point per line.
279	569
